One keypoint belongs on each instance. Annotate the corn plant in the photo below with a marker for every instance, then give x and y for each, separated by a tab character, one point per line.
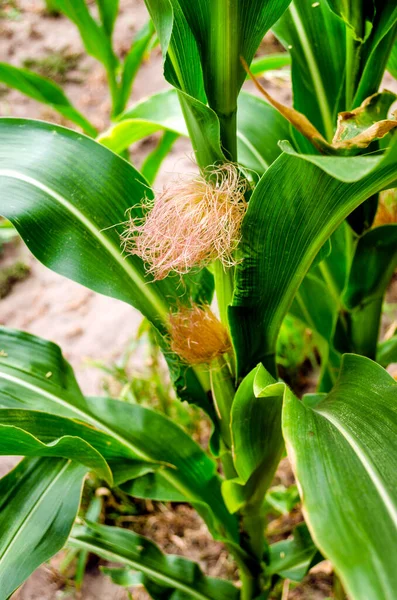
286	216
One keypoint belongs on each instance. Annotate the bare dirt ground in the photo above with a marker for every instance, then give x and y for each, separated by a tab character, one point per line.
87	325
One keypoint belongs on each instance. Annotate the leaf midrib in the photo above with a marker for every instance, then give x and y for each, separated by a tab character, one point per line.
137	279
366	462
33	509
167	474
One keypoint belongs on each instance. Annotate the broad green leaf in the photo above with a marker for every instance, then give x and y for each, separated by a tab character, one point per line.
259	129
43	90
307	29
146	435
39	501
141	554
257	146
68	196
343	447
387	351
108	10
286	224
293	557
30	433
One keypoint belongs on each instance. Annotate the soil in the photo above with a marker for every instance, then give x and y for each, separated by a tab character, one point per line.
89	326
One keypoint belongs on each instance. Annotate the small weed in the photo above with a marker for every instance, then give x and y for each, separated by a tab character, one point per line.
11	275
56	65
9	10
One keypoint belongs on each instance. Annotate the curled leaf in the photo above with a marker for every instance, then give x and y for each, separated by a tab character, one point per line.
356	129
359	127
296	118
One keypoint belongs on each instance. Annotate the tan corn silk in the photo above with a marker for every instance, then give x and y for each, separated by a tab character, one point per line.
191	223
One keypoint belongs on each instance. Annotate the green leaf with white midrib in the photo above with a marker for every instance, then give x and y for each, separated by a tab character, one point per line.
357	445
18	441
352	430
30	515
286	225
39	500
110	247
70	199
145	434
77	176
72	409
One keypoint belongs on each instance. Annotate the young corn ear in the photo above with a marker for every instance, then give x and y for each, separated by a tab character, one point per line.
197	336
191	223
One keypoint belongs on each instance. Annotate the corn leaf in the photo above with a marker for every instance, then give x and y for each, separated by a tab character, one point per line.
341	443
43	90
387	351
172	573
94	37
30	433
147	436
39	500
317	65
257	438
182	69
257	146
286	224
215	26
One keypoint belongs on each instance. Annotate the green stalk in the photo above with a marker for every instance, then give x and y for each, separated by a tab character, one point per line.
114	91
223	100
224	285
224	88
223	393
